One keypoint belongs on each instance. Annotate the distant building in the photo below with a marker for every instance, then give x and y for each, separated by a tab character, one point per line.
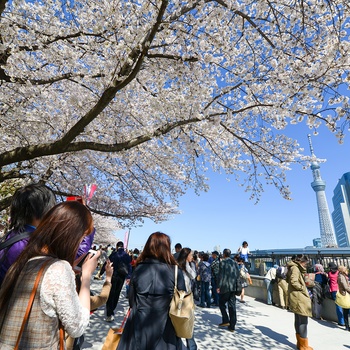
316	242
341	213
319	186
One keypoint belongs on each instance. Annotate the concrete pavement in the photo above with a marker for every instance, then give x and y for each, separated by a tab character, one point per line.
259	326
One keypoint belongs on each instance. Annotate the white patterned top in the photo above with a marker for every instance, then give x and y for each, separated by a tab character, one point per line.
59	298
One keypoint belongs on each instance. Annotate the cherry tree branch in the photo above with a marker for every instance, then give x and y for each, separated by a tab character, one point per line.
2	6
47	149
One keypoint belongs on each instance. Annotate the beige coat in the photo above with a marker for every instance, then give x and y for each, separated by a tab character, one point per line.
299	299
343	283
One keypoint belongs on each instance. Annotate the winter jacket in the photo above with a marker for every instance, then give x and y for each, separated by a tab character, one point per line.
204	271
121	263
228	276
271	274
343	283
9	255
321	278
149	326
299	299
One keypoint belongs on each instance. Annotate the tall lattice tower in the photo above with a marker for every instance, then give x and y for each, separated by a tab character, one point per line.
318	185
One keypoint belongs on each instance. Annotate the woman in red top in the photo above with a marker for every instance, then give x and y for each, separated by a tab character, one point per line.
333	288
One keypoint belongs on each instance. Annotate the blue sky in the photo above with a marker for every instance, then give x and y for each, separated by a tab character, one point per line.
224	216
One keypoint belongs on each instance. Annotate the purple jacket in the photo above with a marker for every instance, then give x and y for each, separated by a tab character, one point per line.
9	255
12	253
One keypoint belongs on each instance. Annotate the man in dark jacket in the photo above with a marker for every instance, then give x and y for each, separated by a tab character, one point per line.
227	285
121	272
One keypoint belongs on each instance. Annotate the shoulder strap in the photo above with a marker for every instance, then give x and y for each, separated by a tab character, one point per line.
14	239
30	303
176	276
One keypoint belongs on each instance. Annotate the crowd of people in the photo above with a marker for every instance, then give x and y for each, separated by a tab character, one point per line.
292	287
47	265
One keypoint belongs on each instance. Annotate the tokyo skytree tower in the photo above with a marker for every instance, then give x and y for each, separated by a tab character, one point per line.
318	185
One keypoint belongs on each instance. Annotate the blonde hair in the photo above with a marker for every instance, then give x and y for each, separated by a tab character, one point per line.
343	269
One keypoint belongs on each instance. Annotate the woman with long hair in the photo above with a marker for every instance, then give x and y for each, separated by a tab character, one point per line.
151	290
54	242
184	260
299	299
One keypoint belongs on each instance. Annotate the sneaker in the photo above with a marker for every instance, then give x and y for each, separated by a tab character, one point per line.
224	324
242	301
109	318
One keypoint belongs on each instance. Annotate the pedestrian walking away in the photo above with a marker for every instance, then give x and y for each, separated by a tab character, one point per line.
227	286
151	289
121	261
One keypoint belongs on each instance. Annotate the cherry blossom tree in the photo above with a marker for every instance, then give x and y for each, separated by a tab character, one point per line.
107	230
143	97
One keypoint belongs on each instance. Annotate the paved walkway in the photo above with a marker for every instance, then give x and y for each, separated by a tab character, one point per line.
259	326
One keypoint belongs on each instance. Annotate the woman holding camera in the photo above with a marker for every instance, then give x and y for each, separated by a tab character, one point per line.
51	249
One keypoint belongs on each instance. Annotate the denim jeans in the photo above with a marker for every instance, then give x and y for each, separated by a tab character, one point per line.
269	287
338	309
205	295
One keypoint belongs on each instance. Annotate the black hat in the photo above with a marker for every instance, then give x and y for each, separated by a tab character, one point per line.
333	266
215	252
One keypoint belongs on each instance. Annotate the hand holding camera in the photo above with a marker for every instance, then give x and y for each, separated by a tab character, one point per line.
90	262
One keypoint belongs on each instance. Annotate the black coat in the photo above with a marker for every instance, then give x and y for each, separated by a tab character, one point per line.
149	326
228	276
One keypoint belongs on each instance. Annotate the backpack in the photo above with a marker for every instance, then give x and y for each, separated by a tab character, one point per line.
309	279
122	269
